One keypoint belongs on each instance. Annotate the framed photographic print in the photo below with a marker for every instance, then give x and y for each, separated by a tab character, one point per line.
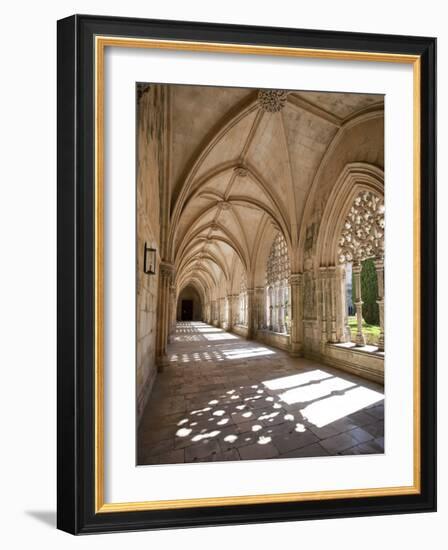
246	274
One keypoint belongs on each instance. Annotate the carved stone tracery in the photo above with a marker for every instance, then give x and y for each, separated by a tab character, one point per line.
362	237
278	272
278	266
362	234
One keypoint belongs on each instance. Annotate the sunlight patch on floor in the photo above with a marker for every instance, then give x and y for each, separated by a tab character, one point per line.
247	352
222	336
295	380
335	407
304	394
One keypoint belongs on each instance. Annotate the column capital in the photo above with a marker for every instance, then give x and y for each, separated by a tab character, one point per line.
356	268
295	279
167	269
379	263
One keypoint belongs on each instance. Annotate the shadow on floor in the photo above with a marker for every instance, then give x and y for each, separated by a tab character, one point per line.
47	517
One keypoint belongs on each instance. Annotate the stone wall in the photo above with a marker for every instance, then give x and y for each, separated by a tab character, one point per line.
241	330
275	339
150	130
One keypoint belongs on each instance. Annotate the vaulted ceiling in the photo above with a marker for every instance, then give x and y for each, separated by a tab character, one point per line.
242	166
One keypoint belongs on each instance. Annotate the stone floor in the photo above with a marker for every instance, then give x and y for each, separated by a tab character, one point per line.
225	398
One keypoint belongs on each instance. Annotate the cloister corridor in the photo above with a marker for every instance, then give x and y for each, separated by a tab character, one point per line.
222	397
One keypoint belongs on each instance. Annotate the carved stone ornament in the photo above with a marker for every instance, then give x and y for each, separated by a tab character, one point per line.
295	279
167	270
272	101
278	265
241	171
224	205
362	234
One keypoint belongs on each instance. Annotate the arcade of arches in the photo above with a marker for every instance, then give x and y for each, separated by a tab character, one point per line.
258	203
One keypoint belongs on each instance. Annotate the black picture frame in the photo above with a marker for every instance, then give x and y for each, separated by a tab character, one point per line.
76	286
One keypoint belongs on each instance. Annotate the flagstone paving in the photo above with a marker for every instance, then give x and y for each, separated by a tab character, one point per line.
225	398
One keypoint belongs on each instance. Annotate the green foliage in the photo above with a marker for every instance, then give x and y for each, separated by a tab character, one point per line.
371	332
369	292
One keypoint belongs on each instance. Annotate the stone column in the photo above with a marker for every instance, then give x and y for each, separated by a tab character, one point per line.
287	304
379	266
229	312
250	313
270	319
225	318
215	312
332	298
324	305
274	304
359	340
235	309
296	284
222	312
342	327
209	312
172	310
260	307
166	270
281	309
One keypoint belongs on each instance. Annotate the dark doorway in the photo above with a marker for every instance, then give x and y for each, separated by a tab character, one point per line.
189	305
187	310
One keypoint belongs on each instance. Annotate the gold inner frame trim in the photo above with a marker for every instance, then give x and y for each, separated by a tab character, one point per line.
101	42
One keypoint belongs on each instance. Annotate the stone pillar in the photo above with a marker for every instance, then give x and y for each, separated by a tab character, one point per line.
359	340
296	332
379	266
166	270
250	313
332	298
215	312
274	304
342	327
260	307
287	303
235	309
324	305
225	317
270	319
281	308
229	312
222	312
208	318
172	310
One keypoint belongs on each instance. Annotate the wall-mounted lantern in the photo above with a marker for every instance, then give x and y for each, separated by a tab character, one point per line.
149	260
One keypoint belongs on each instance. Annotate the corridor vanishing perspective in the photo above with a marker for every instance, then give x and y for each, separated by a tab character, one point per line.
260	231
225	398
